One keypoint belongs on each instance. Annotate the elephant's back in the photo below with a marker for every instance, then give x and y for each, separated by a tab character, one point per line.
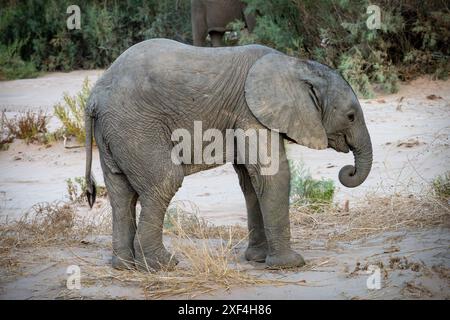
168	69
162	55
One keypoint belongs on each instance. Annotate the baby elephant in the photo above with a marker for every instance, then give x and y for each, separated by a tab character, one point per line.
160	92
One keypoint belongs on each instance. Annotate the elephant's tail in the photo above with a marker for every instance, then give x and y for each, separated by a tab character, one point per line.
90	181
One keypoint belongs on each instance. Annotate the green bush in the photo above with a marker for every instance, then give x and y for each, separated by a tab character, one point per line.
412	40
11	64
108	27
307	191
441	186
71	113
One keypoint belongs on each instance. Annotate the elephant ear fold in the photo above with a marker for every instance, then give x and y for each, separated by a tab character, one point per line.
280	91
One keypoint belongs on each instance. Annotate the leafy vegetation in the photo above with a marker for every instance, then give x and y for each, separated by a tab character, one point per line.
412	38
11	64
441	186
36	31
307	191
71	113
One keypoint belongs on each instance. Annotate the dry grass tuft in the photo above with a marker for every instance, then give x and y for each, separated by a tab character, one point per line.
182	218
375	215
30	126
48	224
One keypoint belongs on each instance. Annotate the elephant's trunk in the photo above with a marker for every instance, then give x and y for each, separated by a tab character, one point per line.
352	176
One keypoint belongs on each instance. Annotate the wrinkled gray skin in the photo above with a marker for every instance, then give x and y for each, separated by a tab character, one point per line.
159	85
212	17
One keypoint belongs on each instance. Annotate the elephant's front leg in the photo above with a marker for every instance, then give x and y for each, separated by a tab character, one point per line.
273	195
257	242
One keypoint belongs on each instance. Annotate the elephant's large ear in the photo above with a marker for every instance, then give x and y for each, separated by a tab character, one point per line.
281	92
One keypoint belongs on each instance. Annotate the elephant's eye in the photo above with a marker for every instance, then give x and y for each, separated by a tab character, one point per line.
351	117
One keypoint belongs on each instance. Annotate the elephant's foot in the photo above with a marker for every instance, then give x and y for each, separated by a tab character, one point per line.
157	260
122	262
256	253
285	259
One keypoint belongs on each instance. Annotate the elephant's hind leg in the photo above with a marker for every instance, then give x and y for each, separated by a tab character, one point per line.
257	242
123	202
154	197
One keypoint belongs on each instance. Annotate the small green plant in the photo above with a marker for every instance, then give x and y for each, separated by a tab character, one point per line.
308	191
71	112
30	126
174	217
441	186
76	189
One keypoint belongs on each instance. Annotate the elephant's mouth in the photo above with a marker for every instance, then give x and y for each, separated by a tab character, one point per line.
339	143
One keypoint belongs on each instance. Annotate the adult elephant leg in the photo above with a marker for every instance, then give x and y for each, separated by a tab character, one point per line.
156	189
273	195
123	199
199	25
250	21
257	242
216	38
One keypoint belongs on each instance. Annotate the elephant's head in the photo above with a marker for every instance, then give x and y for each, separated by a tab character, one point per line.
313	106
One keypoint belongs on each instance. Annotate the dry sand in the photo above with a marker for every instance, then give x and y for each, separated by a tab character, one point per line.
410	134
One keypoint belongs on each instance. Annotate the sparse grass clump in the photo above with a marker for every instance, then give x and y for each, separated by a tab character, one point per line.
29	126
71	113
307	191
50	223
376	214
184	214
441	186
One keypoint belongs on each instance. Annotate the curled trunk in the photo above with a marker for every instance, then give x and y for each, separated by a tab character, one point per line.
352	176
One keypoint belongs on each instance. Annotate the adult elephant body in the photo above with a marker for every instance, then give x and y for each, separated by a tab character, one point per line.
159	86
213	16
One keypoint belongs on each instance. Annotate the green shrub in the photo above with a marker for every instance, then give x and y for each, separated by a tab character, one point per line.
412	40
308	191
11	64
71	113
108	27
441	186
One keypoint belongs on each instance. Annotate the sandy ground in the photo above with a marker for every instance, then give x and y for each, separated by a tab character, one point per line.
421	272
410	134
